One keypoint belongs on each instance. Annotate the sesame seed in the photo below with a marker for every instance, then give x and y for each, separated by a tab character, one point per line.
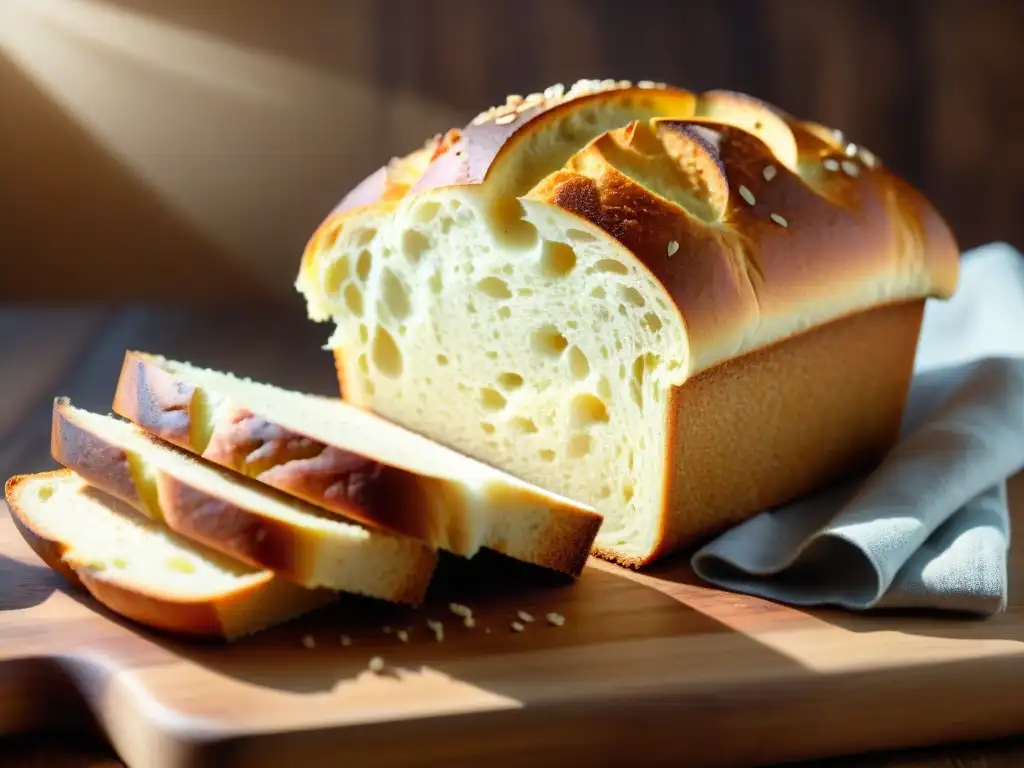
402	635
850	168
460	610
308	641
646	84
868	157
779	220
556	619
437	628
505	119
469	621
831	164
747	195
851	149
376	664
346	640
517	627
524	616
672	248
769	172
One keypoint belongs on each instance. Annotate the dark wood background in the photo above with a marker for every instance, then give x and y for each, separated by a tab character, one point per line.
185	149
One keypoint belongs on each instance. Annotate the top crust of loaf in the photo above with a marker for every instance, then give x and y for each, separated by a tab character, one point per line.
748	216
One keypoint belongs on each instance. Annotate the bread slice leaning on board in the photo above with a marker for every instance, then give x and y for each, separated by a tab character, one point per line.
236	516
680	308
139	569
353	463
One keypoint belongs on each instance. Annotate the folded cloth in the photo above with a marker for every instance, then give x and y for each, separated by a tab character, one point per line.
929	527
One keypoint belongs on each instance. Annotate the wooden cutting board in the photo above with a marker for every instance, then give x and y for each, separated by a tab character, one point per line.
649	668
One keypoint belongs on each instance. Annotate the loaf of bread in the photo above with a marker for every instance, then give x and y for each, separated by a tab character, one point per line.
680	309
237	516
353	463
142	571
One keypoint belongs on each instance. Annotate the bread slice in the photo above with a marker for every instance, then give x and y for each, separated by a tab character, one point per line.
141	570
236	516
353	463
679	308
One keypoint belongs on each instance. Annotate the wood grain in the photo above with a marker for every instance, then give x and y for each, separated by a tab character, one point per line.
654	664
131	173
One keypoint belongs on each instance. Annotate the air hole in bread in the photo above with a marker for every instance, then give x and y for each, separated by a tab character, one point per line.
605	354
652	321
510	380
579	236
331	238
605	492
414	244
455	205
354	299
507	269
387	357
335	275
579	446
181	564
487	427
426	212
395	296
505	313
442	360
611	265
523	425
364	364
579	366
627	492
546	454
633	296
434	283
525	292
622	309
446	225
364	333
572	323
548	341
119	562
509	226
557	259
364	237
492	399
491	354
494	287
363	265
604	389
588	409
45	493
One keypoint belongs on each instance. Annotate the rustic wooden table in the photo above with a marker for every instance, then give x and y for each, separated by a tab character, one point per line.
77	352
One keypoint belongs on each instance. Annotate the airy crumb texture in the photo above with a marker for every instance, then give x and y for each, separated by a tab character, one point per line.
544	293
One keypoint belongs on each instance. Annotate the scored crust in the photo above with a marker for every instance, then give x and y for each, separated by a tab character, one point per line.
389	568
257	603
552	533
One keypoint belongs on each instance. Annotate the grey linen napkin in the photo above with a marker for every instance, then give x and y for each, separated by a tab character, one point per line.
929	527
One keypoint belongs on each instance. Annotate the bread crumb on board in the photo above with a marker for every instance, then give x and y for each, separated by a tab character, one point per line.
555	619
517	626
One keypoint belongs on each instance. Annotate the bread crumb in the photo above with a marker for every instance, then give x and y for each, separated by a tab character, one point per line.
346	640
402	635
517	626
437	628
308	641
460	610
556	619
376	664
524	616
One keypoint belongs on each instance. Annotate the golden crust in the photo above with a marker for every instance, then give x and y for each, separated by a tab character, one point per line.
236	531
262	601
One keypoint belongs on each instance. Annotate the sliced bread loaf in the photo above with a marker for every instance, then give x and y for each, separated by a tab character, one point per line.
139	569
236	516
354	463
